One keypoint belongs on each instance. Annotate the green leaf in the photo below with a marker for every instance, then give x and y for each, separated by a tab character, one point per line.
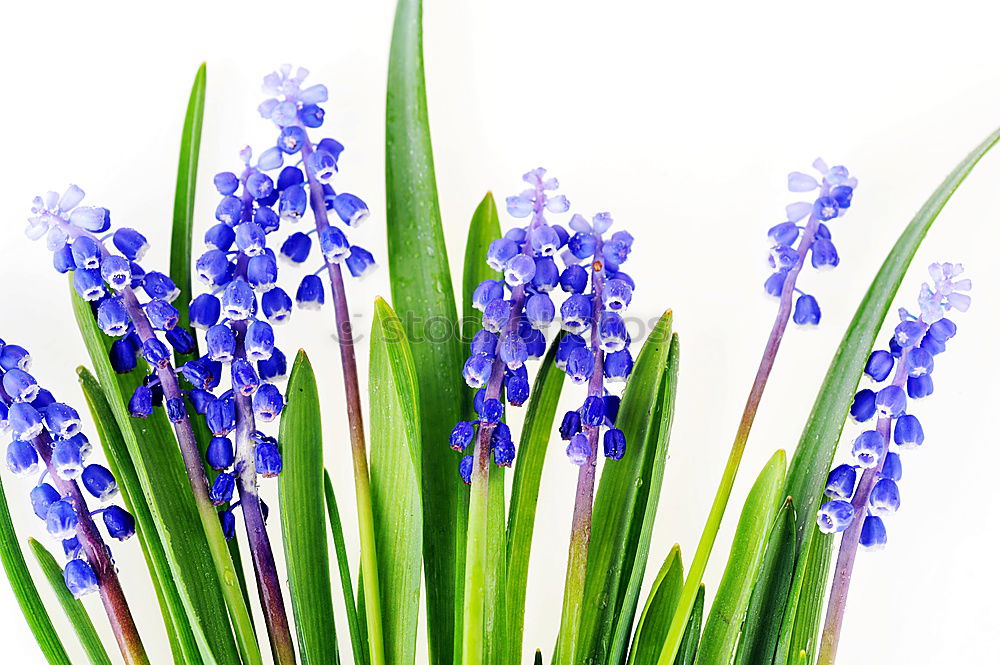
812	460
423	297
483	229
182	642
23	586
659	609
621	519
797	636
690	643
303	528
359	641
535	433
164	483
767	603
73	608
647	498
725	620
187	177
495	597
395	479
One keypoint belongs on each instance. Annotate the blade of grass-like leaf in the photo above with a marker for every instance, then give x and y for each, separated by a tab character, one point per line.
422	295
659	609
300	491
165	485
358	640
647	501
692	634
800	623
395	477
182	641
746	558
534	443
759	636
494	598
483	229
814	455
25	591
73	608
620	501
187	177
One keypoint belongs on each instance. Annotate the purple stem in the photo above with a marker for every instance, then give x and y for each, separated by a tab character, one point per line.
119	615
837	604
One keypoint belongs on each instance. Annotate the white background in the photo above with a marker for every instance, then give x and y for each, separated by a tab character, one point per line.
681	119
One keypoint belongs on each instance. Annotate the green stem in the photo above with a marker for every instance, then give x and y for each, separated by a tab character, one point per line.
690	591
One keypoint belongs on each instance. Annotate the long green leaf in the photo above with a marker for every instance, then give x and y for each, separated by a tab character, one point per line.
303	528
164	483
395	478
187	177
25	591
814	455
620	504
725	620
647	501
483	229
799	625
692	634
423	297
182	642
534	443
659	609
759	637
73	608
358	640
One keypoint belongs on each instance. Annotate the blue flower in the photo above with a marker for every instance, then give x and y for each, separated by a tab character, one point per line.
915	342
80	578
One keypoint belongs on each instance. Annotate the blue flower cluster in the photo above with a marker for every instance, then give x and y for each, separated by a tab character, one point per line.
295	110
835	190
47	434
519	307
594	349
909	359
111	280
237	318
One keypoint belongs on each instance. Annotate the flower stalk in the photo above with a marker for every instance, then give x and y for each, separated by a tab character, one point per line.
352	393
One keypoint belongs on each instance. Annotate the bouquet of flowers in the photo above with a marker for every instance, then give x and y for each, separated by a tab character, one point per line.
196	403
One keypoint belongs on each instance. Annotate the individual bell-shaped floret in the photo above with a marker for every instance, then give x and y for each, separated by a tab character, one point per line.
840	482
880	364
486	293
835	516
868	449
863	406
513	350
99	481
519	270
259	342
310	293
296	248
574	279
276	305
351	209
890	402
245	379
477	370
580	365
578	449
25	421
918	387
873	535
484	343
571	424
220	454
614	444
221	417
908	433
274	367
618	366
80	578
267	460
119	523
158	285
61	520
238	300
222	488
360	262
162	315
22	459
140	405
20	385
576	312
89	284
612	332
617	294
130	243
465	469
67	459
592	413
892	467
462	436
500	252
204	311
268	402
807	312
884	498
262	272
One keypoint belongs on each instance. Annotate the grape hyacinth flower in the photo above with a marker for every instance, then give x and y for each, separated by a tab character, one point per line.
803	234
47	441
121	294
859	506
242	271
517	308
295	109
